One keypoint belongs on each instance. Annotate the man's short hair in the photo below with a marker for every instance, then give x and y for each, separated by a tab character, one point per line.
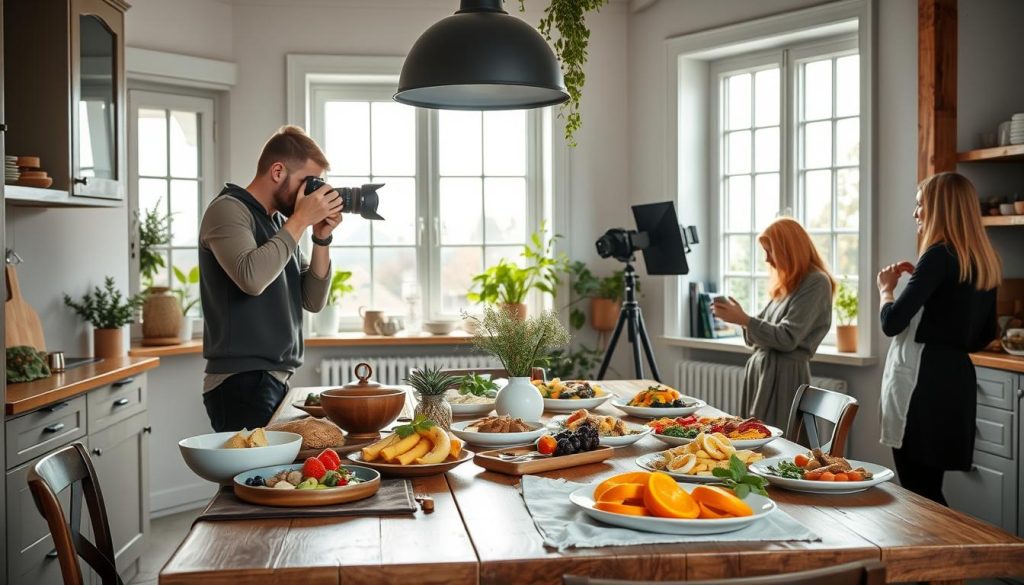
293	147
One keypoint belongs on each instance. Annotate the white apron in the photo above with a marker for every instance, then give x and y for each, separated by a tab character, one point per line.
898	380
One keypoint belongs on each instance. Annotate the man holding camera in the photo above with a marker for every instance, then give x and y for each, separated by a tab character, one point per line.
255	282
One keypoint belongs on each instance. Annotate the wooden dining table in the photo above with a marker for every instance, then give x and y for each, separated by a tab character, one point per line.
481	532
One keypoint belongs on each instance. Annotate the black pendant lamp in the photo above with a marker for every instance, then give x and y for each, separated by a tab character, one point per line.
481	58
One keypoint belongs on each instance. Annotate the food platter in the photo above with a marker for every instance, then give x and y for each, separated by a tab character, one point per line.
571	404
480	409
647	463
651	412
880	475
762	507
498	439
738	443
411	470
570	386
523	460
265	496
558	423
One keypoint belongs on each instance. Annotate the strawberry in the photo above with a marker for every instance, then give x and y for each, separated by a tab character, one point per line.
313	467
329	457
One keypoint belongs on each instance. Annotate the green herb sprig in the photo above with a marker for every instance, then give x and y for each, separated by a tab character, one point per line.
477	385
739	480
420	423
787	469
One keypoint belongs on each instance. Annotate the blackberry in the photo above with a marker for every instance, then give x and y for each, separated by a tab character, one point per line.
565	395
563	447
563	435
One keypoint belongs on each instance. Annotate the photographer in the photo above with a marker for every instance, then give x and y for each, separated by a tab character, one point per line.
255	282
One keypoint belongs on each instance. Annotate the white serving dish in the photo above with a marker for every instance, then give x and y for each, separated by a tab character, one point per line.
439	327
557	424
498	439
206	456
476	410
738	443
762	506
574	404
652	413
646	462
880	475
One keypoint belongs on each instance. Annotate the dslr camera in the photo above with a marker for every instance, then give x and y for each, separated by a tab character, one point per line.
362	200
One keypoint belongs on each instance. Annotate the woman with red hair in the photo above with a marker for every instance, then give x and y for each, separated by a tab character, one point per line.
786	333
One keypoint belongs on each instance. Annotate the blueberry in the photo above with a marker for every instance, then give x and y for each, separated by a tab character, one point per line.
258	481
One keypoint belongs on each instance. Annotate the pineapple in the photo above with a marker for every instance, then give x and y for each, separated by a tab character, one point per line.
431	385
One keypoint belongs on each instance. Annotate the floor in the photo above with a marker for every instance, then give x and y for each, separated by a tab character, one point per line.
165	534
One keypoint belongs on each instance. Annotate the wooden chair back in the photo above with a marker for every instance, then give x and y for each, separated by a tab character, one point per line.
71	468
860	573
812	404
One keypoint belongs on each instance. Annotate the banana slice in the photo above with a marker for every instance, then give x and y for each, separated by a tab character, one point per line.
683	463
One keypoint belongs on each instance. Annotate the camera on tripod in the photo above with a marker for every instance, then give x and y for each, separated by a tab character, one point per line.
362	200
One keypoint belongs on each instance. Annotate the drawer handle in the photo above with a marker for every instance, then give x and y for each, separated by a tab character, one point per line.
147	430
54	428
56	407
121	402
52	554
124	382
97	451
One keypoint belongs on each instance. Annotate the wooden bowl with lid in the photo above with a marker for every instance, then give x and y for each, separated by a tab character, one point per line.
363	408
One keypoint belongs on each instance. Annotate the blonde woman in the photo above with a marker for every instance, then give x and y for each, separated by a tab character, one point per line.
787	332
954	283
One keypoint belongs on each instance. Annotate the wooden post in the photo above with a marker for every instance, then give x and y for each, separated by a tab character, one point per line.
936	86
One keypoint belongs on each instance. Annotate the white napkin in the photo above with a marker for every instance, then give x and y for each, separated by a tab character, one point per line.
563	525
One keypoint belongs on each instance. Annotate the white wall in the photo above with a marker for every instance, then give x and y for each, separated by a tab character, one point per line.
201	28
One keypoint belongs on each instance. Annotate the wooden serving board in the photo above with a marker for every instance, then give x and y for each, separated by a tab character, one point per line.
22	325
490	460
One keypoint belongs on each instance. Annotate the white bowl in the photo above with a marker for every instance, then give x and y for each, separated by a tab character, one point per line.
738	443
498	439
206	456
649	412
439	327
574	404
476	410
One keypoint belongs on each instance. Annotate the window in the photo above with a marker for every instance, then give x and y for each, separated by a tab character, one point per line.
171	171
460	192
788	138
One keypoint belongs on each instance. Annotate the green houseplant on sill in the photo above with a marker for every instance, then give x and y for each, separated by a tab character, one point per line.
161	311
846	313
605	296
327	321
108	311
186	280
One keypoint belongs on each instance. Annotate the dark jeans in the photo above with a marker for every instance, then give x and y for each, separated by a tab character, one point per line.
245	400
923	480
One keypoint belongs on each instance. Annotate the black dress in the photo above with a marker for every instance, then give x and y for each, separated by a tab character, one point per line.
957	319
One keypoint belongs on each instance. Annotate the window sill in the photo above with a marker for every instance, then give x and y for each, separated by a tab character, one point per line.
195	347
826	354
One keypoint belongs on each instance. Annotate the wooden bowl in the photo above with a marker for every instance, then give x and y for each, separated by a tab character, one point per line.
311	410
362	412
30	182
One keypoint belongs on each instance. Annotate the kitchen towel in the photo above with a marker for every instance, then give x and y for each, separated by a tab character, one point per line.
394	497
563	525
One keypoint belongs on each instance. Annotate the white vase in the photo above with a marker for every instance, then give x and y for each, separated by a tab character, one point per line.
326	322
520	399
186	329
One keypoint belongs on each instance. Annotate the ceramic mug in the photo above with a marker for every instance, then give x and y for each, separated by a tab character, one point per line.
370	319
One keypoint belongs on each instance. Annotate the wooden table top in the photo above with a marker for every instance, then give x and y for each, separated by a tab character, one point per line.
481	532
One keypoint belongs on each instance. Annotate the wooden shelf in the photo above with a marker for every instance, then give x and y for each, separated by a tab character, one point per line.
1010	153
195	347
1002	220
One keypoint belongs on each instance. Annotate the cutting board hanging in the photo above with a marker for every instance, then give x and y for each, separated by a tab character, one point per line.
22	322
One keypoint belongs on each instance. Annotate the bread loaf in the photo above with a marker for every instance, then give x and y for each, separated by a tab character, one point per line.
317	433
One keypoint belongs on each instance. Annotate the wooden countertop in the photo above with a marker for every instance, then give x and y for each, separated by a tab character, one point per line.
999	361
340	340
27	396
489	536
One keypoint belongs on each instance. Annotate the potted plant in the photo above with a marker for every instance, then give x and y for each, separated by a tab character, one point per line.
846	313
431	385
108	311
520	344
161	311
328	319
187	301
507	284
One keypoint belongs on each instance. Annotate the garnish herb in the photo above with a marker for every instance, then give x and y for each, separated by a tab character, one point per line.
739	480
420	423
477	385
787	469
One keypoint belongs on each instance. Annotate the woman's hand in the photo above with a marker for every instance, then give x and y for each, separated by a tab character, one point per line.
728	310
890	275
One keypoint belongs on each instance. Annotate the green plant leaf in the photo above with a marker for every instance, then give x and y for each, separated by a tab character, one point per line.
741	490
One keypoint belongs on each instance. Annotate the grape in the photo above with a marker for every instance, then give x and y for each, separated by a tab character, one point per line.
563	447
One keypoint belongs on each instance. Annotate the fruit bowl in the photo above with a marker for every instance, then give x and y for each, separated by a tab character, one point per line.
362	412
1013	341
206	456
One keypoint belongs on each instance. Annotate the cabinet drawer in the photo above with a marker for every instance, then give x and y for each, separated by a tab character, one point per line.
996	388
988	491
48	428
116	402
993	431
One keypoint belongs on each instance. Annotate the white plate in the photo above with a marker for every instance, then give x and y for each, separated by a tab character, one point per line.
557	424
646	462
648	412
761	505
881	474
573	404
738	443
476	410
498	439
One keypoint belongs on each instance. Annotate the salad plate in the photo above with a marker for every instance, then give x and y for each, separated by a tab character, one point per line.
770	469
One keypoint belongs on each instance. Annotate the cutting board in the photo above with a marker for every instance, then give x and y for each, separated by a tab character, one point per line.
22	322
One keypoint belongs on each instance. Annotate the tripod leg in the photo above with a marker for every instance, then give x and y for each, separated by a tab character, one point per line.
647	348
638	365
611	346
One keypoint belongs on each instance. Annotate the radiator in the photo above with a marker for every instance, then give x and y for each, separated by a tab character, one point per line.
721	385
393	370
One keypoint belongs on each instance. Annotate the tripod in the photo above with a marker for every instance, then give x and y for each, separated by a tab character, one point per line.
630	314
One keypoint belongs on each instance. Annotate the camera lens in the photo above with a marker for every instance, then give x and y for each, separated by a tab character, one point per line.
362	200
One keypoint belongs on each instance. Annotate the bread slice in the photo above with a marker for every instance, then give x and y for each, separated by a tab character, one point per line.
257	438
237	441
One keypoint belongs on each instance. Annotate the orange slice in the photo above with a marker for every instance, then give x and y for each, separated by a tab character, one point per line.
709	512
622	509
622	491
721	500
665	498
632	477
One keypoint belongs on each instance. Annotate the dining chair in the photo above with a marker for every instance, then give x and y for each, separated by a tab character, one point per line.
869	572
812	405
71	468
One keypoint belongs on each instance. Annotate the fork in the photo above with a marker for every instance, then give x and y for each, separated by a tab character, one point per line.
520	457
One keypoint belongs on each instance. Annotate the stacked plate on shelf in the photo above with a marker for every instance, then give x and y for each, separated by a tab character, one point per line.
1017	129
31	173
11	172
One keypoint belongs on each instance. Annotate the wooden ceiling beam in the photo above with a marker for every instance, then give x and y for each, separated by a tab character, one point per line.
936	86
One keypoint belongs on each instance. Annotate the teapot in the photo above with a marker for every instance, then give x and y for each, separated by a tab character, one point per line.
389	327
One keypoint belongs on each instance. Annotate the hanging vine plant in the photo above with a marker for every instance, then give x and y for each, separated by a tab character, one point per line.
567	18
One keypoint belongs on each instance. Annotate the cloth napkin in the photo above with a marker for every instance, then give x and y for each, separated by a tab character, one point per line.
395	496
563	525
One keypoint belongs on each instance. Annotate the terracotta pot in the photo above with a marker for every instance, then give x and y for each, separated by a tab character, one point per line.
846	338
108	343
518	310
161	314
604	314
